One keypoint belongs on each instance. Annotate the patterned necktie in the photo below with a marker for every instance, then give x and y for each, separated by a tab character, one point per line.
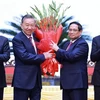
69	46
33	43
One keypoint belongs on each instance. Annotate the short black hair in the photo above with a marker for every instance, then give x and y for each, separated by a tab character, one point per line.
80	28
26	16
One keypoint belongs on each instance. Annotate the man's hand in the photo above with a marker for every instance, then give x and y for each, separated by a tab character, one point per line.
48	54
54	46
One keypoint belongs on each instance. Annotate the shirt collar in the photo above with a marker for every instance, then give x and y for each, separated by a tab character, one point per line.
74	40
28	36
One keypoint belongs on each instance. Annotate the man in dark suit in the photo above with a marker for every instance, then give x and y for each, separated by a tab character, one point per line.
4	56
27	75
73	57
95	57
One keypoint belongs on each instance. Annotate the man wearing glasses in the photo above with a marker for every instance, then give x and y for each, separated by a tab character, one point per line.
73	57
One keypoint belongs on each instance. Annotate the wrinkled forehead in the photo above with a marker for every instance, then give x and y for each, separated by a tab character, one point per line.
28	19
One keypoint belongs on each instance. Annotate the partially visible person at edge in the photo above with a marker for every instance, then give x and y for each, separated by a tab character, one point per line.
95	57
27	81
73	76
4	57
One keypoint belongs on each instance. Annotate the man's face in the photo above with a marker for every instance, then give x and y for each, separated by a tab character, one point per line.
73	32
28	26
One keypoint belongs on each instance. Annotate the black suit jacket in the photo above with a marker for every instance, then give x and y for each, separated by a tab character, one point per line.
95	57
4	56
74	64
27	63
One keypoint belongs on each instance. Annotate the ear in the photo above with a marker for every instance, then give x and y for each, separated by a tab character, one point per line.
21	26
80	32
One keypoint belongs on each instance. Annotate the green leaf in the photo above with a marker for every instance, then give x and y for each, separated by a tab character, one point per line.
44	11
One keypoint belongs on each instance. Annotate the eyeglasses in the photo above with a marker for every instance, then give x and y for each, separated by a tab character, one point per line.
74	30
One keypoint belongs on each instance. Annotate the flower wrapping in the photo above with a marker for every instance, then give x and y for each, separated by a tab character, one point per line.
49	66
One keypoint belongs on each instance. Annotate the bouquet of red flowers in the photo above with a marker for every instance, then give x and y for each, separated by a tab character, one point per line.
48	28
45	35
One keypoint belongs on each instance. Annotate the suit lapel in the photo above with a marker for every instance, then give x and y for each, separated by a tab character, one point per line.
27	42
66	45
73	44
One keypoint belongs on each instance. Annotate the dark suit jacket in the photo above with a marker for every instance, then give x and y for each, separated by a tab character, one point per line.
95	57
4	56
74	64
27	63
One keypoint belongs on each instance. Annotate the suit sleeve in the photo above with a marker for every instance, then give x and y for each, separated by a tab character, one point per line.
95	52
22	54
5	55
79	52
